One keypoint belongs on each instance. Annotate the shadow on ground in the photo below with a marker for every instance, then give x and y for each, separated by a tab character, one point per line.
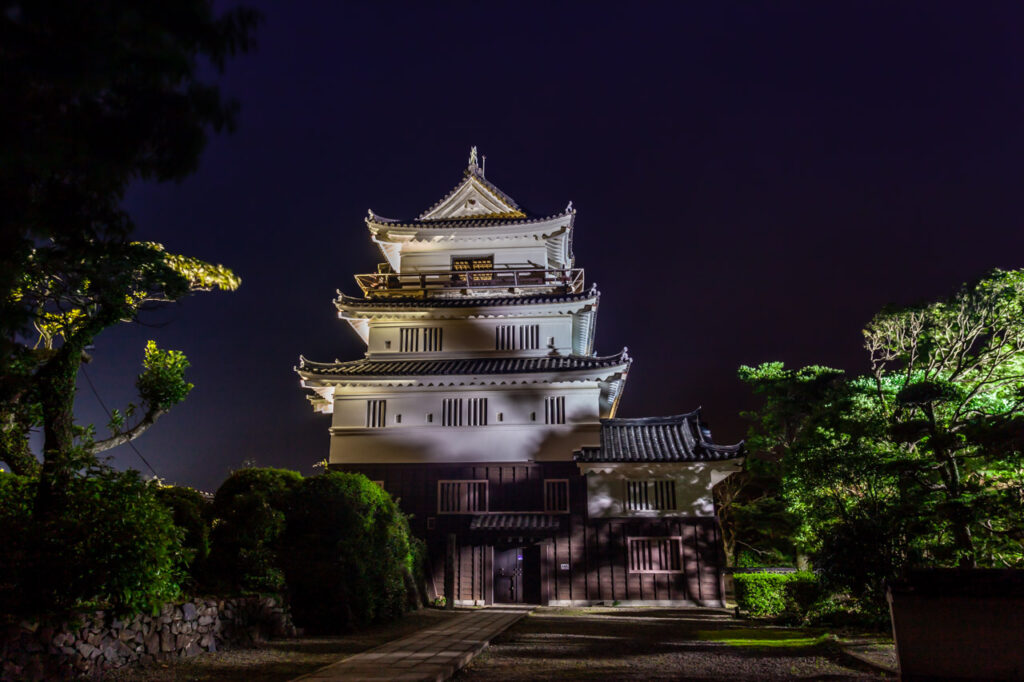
636	643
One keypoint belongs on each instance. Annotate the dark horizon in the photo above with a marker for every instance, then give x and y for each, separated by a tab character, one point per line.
752	183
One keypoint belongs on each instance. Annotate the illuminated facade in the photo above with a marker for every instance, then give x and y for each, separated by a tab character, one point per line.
481	404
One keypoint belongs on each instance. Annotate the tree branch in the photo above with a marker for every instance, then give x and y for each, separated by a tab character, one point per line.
131	434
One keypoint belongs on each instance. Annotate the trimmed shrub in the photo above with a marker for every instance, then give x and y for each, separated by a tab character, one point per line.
347	554
191	513
248	511
768	595
112	544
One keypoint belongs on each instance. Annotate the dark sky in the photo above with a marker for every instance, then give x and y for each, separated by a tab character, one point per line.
753	182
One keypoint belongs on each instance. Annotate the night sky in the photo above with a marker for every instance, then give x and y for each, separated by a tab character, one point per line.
753	182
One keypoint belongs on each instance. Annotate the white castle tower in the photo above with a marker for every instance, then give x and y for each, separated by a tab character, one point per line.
479	333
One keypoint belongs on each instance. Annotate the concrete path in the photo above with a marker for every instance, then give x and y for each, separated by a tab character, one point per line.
432	654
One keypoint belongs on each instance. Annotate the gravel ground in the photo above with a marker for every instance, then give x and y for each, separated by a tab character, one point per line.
654	644
279	660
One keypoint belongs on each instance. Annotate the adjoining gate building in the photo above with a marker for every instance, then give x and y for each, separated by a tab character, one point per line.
482	407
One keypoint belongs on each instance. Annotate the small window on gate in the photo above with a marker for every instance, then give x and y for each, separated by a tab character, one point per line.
431	522
556	495
655	555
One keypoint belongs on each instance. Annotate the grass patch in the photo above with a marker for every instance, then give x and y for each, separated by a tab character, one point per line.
764	637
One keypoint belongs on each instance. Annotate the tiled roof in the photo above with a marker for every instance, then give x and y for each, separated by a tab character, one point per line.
375	219
679	438
515	522
461	366
463	301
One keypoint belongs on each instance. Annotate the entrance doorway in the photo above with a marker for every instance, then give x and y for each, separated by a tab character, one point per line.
508	575
517	575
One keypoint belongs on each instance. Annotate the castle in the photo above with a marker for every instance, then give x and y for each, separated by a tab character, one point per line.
482	407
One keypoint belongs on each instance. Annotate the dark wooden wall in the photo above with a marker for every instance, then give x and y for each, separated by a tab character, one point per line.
595	550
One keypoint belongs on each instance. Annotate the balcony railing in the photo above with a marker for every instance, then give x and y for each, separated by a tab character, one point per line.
394	284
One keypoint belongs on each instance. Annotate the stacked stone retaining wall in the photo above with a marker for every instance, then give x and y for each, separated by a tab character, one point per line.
90	644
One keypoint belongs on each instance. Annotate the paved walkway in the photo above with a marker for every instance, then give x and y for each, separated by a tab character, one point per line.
432	654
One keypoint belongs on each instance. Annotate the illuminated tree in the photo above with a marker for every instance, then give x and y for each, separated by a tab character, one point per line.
921	460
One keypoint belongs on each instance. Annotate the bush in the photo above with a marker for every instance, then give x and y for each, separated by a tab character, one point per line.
191	513
347	553
111	544
248	511
776	594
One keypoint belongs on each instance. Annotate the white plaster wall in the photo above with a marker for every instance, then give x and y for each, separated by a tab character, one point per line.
606	486
471	337
520	435
523	405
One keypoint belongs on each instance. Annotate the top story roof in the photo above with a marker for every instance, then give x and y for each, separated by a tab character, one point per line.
474	202
652	440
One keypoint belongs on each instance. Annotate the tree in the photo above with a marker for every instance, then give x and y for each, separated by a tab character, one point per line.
958	365
919	461
96	95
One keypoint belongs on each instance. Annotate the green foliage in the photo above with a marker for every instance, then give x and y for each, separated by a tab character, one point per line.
192	515
112	544
163	384
767	595
346	553
919	461
249	518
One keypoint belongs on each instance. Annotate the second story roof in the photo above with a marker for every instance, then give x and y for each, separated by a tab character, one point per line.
652	440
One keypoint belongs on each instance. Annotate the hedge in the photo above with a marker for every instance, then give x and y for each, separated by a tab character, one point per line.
774	594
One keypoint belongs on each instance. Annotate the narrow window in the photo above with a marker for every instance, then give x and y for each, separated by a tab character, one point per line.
461	497
376	413
432	339
398	419
431	522
477	411
655	555
529	337
451	414
556	495
387	344
533	416
554	410
430	418
501	416
409	339
655	495
505	337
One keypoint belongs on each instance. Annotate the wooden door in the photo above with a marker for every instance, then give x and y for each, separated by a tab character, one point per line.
508	575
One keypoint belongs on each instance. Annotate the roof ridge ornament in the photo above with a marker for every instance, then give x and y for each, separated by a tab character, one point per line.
472	157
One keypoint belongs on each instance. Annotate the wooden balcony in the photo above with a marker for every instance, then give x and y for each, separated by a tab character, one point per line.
419	283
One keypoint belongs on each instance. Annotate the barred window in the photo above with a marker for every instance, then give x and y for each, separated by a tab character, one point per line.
554	410
461	497
505	337
529	337
655	495
517	337
409	339
451	412
376	413
477	412
556	495
655	555
432	339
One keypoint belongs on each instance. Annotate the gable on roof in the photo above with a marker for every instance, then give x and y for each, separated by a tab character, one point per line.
474	197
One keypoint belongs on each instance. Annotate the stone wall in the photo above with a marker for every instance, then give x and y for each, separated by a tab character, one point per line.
93	643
